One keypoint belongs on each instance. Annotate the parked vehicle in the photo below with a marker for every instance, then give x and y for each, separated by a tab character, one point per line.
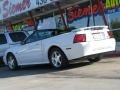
8	40
56	48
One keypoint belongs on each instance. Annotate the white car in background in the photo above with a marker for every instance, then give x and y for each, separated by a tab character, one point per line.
56	48
8	40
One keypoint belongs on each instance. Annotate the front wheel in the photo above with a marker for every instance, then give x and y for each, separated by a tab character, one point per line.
12	63
57	58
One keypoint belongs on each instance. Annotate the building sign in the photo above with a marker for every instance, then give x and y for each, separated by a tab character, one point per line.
18	26
110	4
9	8
43	2
84	9
59	21
29	22
47	23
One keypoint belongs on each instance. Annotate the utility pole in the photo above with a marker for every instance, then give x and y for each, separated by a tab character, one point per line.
91	7
101	9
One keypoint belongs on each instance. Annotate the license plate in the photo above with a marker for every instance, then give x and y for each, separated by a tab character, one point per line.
98	36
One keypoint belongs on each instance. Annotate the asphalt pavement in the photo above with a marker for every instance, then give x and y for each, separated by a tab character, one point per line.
102	75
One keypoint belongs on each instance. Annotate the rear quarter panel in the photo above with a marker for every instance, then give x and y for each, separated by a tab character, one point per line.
63	41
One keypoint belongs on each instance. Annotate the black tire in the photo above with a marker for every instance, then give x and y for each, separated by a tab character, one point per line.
95	59
58	61
2	64
11	62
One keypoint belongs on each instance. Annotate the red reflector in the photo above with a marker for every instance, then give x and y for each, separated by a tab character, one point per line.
110	34
79	38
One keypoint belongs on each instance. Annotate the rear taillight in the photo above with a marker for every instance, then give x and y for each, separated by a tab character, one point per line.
79	38
110	34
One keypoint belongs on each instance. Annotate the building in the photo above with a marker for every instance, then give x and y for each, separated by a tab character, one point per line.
16	14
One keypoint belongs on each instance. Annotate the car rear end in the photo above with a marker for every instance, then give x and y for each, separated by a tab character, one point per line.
92	41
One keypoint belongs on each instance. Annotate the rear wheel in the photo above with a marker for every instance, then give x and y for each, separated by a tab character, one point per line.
95	59
57	58
12	63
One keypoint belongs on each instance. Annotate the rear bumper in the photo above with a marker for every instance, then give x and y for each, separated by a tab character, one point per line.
91	48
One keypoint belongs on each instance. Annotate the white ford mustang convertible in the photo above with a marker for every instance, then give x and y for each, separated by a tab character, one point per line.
58	48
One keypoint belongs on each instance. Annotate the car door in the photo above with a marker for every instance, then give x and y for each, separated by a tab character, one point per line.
31	51
3	44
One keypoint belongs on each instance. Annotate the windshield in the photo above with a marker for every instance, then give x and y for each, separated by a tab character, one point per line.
17	36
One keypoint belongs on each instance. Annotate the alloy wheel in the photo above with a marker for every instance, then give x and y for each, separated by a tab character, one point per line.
56	59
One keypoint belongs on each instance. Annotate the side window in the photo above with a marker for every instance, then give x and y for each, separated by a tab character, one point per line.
44	35
17	36
3	39
39	35
32	38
